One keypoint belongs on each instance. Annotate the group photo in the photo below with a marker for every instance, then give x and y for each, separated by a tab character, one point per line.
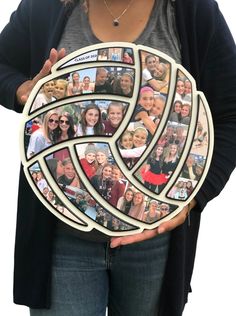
87	118
100	80
108	180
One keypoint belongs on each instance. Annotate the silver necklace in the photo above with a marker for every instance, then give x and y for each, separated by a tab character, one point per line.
116	21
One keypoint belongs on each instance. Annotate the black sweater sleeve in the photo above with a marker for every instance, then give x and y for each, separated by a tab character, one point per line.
218	82
14	56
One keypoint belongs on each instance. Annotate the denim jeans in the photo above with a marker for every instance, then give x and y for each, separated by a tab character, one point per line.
88	277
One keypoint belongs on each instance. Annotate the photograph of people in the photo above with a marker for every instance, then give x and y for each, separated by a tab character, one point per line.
102	154
151	172
118	185
124	203
60	89
185	113
171	160
192	32
45	96
69	177
55	167
102	54
103	182
88	162
175	114
66	127
153	74
139	144
153	213
49	195
86	85
182	189
74	85
127	58
91	121
44	136
138	206
158	107
189	169
124	85
183	89
115	113
201	137
180	89
126	142
101	84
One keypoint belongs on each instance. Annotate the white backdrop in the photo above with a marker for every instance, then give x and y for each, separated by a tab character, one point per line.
214	275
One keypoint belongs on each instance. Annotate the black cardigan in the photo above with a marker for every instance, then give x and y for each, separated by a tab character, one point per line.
208	53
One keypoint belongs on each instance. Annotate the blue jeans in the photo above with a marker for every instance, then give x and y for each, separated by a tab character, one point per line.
88	277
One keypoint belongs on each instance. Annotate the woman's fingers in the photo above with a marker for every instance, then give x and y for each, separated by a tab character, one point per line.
147	234
121	241
54	57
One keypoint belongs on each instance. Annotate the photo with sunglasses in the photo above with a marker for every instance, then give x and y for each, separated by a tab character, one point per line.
66	127
44	136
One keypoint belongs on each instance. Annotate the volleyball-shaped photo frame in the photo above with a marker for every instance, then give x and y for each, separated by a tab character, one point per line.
117	138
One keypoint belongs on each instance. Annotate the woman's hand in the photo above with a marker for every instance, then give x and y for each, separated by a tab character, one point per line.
24	90
147	234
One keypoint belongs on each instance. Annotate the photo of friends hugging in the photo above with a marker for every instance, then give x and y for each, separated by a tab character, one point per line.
87	118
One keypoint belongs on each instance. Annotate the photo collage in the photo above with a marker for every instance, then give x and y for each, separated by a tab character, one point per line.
92	116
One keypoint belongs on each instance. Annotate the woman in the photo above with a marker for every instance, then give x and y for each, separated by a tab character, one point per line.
66	127
152	214
142	110
45	136
139	141
137	209
125	85
103	183
152	172
60	89
205	54
86	86
102	154
152	72
170	160
124	203
91	121
45	96
88	162
69	177
103	55
127	58
118	186
74	86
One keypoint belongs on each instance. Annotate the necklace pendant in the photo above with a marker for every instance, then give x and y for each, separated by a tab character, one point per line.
115	22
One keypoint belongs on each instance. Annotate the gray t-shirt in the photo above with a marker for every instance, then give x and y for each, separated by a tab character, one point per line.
160	32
